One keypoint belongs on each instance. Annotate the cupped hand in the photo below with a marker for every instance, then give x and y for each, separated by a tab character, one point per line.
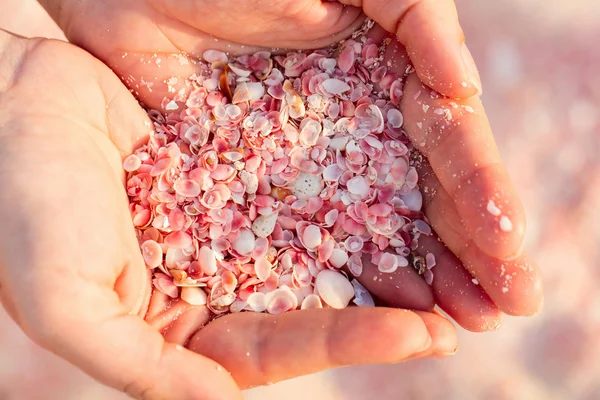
142	40
482	269
72	276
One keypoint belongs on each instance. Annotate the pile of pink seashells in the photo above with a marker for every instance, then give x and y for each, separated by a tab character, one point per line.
273	178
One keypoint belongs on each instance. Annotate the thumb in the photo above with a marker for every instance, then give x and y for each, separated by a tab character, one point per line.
95	333
434	40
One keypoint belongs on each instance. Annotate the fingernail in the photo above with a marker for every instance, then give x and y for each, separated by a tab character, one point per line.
443	354
473	78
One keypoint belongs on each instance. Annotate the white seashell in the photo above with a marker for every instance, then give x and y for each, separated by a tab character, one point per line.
194	296
307	186
250	181
238	306
239	71
257	302
362	297
264	225
223	301
311	301
413	200
207	260
335	86
334	289
338	258
244	244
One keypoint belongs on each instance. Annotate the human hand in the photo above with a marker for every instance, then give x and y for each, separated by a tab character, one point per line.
506	279
72	276
142	41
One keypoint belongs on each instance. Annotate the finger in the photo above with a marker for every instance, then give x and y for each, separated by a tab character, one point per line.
515	286
442	329
403	288
260	348
434	40
457	141
456	292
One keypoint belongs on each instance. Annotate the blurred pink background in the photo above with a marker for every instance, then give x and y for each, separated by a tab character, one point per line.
539	60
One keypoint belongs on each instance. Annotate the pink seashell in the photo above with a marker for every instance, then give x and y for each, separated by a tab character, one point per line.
223	172
212	56
207	260
186	188
216	197
152	253
398	173
325	250
359	187
334	289
378	73
346	59
194	296
178	240
331	217
395	118
396	92
229	281
311	301
164	284
354	244
280	304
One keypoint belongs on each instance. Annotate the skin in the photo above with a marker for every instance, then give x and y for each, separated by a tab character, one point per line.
72	275
53	89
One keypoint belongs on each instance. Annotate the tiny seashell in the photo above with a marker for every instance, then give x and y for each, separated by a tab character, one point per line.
334	289
207	260
395	118
211	56
338	258
335	86
238	306
152	253
239	70
413	200
362	297
307	186
311	301
257	302
244	244
194	296
131	163
430	260
264	225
